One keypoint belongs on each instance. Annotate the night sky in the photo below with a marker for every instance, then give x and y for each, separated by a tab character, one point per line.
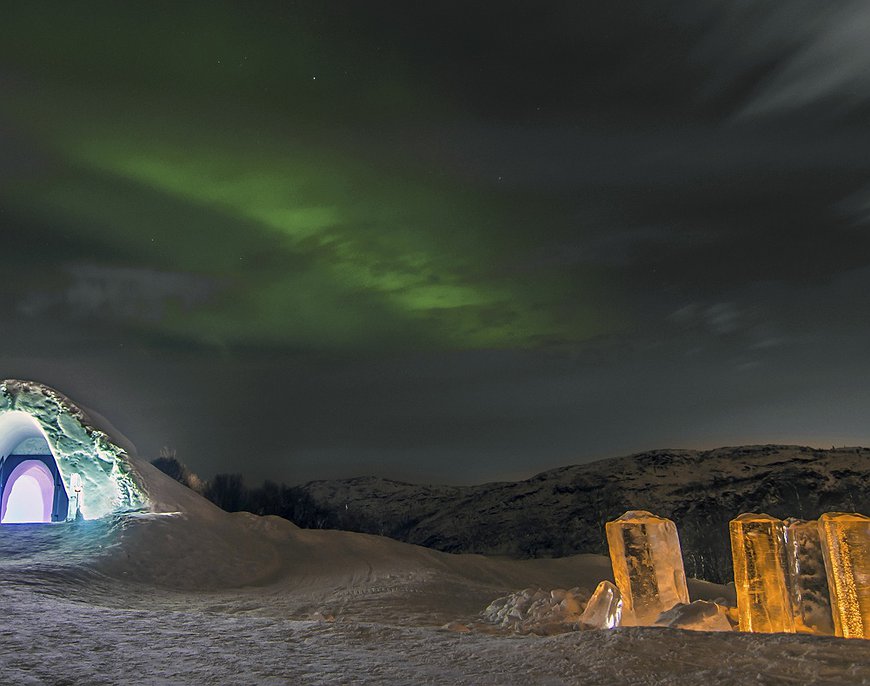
442	241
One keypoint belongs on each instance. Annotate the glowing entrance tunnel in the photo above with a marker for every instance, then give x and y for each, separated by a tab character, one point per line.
55	464
28	494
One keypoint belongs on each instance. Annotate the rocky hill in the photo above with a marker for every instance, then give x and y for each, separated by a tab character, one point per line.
563	511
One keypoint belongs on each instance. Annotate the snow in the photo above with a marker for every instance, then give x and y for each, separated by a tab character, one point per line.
48	639
188	594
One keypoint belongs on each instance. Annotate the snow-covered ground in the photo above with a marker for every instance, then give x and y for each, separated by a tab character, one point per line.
192	595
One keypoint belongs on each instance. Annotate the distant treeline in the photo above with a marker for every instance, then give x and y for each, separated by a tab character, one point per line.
229	492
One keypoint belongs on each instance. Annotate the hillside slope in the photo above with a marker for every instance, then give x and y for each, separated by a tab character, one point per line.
563	511
184	593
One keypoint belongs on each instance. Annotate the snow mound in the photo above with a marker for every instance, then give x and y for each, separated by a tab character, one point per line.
536	611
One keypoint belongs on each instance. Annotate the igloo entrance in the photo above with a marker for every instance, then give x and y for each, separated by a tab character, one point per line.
91	475
28	494
31	487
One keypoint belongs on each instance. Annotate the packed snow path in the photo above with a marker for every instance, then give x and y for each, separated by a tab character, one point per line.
49	640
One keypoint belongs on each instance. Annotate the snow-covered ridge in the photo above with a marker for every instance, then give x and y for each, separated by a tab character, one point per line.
563	511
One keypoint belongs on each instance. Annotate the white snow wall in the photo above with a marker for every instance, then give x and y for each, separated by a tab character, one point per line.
110	483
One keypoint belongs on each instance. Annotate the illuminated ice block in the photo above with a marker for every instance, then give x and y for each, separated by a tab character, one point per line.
846	547
647	565
604	609
808	582
761	579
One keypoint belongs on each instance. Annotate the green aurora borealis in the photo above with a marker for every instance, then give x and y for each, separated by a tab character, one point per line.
448	241
246	152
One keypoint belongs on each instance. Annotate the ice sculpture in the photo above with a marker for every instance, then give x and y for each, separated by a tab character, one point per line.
846	547
647	565
808	583
604	609
763	601
75	498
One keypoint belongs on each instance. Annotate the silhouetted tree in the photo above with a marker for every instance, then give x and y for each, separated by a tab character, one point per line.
170	465
228	492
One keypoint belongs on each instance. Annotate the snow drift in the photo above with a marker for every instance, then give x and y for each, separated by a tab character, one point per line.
179	591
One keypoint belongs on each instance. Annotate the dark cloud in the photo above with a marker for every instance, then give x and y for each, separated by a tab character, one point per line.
440	242
804	54
117	293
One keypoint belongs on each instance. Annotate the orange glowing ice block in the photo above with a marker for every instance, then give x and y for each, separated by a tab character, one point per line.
647	565
846	547
808	583
763	601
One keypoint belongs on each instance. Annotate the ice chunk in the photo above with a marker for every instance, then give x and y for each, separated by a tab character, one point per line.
763	600
808	583
604	609
846	547
647	565
700	615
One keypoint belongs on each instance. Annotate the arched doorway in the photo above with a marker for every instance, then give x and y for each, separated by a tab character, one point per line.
28	494
31	487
